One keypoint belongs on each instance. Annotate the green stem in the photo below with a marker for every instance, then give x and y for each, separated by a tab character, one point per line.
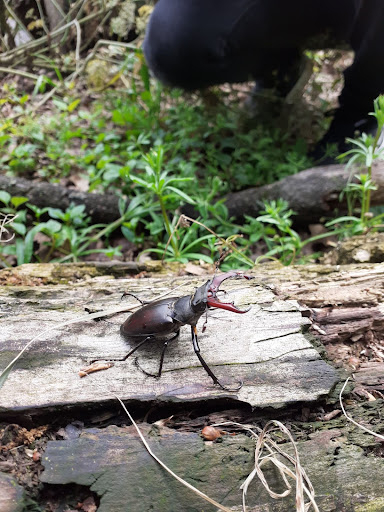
368	194
224	242
4	260
168	226
50	252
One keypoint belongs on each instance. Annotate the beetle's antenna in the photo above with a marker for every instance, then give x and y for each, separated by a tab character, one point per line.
125	294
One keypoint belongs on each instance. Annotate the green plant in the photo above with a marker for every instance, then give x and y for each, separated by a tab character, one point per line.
160	184
68	235
156	147
274	228
189	246
358	194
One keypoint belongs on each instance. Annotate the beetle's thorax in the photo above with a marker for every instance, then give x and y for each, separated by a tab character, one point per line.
186	311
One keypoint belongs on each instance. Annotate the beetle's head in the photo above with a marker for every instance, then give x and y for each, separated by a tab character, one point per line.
206	295
200	298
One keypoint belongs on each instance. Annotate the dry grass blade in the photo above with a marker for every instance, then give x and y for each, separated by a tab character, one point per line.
4	220
264	441
179	479
379	436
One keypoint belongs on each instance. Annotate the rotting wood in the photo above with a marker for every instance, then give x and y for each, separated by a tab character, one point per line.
346	308
344	464
265	348
115	464
370	376
11	494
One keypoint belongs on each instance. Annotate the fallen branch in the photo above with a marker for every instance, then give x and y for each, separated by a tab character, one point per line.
101	207
312	194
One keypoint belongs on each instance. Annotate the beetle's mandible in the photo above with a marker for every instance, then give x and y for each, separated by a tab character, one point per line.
162	318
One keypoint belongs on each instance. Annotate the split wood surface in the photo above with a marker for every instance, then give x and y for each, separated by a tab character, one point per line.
266	348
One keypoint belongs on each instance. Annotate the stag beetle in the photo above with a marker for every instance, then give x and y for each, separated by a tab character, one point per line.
158	319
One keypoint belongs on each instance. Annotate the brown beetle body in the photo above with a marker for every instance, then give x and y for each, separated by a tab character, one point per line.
159	319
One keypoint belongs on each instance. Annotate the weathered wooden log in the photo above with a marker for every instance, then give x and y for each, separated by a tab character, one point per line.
115	465
266	349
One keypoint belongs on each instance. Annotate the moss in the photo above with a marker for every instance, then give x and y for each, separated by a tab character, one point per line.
376	505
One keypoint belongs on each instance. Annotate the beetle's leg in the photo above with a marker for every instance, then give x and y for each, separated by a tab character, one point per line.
196	348
158	374
130	352
135	348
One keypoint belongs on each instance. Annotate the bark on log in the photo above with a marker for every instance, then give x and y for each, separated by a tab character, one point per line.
11	494
114	463
312	194
103	208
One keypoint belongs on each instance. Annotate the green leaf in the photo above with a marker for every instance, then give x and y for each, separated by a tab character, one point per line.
19	228
5	197
71	107
118	118
52	226
18	200
24	99
346	218
182	194
61	105
141	182
56	213
28	242
198	256
20	251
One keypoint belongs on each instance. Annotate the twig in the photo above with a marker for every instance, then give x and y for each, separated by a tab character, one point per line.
80	70
25	74
15	17
351	419
43	40
41	14
78	44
